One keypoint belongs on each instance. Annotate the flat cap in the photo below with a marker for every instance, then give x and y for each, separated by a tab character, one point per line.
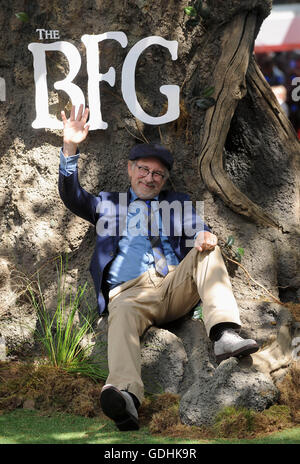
155	150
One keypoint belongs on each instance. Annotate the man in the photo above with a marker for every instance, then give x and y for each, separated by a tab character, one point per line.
145	279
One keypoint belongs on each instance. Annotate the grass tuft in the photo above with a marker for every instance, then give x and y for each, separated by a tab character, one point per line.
236	422
62	334
49	388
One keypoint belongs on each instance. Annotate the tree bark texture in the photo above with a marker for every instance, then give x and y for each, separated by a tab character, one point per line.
236	74
230	79
241	156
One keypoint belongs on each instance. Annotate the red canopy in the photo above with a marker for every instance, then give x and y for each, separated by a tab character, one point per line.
280	31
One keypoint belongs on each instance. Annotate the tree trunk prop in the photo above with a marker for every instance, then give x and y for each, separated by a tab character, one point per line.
237	73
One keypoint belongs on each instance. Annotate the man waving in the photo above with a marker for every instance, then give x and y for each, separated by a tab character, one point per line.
148	274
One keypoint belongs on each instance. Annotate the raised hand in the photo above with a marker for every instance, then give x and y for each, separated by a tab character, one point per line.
75	129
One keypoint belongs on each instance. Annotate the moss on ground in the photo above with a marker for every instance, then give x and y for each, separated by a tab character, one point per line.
49	390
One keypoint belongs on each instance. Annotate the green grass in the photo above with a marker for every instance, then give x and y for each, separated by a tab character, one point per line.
61	334
30	427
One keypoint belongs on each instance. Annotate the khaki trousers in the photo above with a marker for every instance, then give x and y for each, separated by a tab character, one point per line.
154	300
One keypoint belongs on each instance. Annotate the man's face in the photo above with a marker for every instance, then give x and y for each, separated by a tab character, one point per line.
147	176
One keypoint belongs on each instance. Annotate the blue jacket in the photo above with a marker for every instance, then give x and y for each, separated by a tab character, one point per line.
84	205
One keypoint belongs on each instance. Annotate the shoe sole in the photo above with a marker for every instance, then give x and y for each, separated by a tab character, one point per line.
114	406
242	352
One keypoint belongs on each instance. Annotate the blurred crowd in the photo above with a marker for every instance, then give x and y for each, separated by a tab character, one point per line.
280	69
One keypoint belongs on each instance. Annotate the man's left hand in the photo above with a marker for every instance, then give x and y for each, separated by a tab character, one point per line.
205	241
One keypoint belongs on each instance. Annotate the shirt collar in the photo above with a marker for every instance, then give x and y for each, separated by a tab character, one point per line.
134	197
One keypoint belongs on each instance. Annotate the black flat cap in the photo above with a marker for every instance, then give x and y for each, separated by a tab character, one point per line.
155	150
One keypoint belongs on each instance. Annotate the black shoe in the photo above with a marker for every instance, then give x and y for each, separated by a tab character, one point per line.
119	406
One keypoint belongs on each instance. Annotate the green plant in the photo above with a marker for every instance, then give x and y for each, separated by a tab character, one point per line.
61	334
204	100
198	313
195	12
190	11
237	251
22	17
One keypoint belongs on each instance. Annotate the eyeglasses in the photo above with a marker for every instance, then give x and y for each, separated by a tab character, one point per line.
156	175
